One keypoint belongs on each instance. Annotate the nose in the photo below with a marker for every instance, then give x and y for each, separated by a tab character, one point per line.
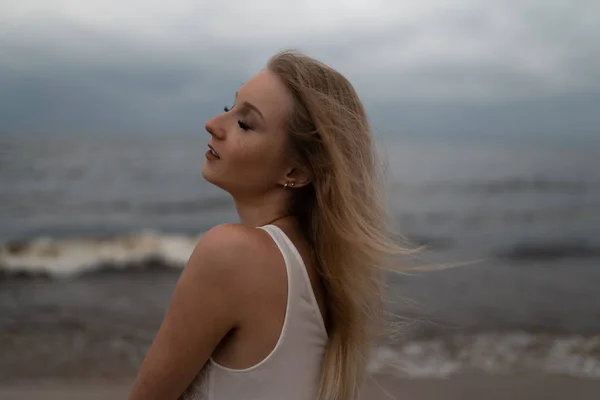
213	127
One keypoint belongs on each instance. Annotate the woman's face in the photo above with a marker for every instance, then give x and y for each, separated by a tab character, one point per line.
250	139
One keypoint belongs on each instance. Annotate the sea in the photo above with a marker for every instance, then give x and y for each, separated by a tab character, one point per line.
95	230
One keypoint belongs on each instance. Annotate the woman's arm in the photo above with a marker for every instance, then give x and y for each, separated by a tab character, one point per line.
204	308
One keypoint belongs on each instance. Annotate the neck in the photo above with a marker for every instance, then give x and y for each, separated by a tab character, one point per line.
262	210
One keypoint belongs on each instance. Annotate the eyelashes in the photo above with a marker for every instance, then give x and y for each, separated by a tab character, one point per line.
243	125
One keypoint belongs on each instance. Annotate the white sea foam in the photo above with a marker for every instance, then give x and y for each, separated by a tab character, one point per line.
493	353
68	257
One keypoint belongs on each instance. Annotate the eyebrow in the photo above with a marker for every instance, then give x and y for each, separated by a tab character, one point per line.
251	106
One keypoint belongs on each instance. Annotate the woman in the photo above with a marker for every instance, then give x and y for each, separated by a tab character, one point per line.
280	306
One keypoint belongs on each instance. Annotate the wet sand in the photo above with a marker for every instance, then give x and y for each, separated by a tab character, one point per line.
483	387
462	387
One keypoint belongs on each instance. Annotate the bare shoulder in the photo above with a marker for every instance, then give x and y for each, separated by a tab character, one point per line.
235	252
211	298
230	237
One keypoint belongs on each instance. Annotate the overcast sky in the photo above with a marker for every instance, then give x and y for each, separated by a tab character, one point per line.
425	68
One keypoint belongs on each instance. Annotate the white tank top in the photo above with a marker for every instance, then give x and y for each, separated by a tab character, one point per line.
292	370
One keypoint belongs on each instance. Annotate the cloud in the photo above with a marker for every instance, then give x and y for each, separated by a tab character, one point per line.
156	66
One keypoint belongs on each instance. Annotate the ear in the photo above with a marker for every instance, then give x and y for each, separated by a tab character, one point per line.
297	176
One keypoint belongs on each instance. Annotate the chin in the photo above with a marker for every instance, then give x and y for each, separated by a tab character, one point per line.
208	175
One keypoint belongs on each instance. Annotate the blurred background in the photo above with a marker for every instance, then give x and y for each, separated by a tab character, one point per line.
488	114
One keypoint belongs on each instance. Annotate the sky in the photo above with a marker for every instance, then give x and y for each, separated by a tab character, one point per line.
427	68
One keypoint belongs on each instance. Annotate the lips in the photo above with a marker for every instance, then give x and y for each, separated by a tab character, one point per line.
213	151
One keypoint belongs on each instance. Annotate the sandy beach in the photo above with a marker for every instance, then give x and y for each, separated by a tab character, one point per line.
455	388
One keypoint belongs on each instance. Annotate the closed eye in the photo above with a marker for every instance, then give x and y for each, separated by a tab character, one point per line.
244	125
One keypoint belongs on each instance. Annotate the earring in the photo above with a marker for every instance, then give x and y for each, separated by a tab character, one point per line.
288	184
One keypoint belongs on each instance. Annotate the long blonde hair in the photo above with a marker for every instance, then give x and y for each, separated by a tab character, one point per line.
342	213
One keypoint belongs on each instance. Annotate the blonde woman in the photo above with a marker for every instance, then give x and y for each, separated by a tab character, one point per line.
282	305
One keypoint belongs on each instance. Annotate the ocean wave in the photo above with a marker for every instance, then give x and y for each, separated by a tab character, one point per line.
164	207
513	215
73	353
150	250
492	353
60	258
545	251
512	185
47	257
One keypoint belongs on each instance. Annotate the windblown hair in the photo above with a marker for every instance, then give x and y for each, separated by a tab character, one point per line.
342	213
